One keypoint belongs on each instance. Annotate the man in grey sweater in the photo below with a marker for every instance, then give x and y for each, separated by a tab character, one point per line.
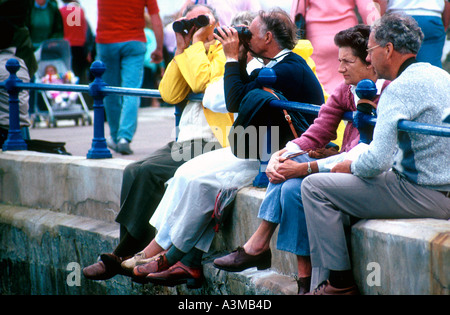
402	174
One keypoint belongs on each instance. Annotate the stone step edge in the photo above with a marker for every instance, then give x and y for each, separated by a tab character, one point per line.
35	222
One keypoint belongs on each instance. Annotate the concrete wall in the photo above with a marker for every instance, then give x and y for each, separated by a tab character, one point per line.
57	214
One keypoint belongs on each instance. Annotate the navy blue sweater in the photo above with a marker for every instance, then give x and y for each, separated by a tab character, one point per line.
295	80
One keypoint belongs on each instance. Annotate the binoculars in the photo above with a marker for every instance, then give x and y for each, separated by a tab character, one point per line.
243	33
182	26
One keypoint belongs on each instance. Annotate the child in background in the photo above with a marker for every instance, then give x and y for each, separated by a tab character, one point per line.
61	99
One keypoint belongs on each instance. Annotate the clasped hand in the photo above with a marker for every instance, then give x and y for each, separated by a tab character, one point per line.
280	169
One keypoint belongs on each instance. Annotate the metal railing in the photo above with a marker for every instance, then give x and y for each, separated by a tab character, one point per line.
98	89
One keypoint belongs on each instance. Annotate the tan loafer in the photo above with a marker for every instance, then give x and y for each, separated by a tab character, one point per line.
139	259
129	264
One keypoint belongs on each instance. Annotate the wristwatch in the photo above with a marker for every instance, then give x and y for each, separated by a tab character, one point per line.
309	168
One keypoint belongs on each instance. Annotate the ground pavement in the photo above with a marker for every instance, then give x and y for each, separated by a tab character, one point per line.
155	128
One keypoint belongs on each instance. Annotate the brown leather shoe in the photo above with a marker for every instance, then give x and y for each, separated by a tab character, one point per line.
157	265
239	260
107	267
325	288
178	274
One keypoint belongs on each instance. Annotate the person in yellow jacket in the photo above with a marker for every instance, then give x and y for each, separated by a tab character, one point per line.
198	60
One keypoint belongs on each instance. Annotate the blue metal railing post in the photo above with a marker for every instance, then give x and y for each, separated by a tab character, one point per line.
266	78
98	150
15	140
177	113
366	91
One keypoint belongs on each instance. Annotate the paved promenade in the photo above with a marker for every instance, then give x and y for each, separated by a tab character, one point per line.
155	128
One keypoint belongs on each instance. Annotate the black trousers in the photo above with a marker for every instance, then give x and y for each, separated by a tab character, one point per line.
143	187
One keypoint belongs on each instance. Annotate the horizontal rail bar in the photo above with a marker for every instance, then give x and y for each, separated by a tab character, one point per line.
403	125
107	90
427	129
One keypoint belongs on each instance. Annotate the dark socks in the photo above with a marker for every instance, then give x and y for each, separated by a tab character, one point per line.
193	258
341	279
129	245
174	255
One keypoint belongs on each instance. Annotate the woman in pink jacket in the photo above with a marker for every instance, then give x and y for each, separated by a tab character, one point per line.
323	20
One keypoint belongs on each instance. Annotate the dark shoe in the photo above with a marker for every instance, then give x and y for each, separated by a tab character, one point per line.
107	267
178	274
325	288
239	260
157	265
303	285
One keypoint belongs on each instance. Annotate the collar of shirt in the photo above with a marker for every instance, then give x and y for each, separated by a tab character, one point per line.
280	56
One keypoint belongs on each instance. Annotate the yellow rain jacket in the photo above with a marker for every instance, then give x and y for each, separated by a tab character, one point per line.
193	71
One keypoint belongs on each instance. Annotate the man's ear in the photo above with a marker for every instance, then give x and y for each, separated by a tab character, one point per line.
268	37
389	50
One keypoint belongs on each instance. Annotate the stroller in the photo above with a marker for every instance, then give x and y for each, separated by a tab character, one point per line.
56	53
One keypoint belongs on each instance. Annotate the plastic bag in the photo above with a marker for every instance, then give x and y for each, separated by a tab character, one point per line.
232	181
223	206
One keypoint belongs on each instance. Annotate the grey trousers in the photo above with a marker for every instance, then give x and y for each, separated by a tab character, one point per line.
328	196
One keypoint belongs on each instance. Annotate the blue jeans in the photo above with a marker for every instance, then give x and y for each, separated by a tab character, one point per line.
283	205
124	67
433	42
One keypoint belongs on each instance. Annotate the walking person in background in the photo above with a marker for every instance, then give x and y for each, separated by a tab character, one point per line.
121	46
323	20
433	17
76	29
45	22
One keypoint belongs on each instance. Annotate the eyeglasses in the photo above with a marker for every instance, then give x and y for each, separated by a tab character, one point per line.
371	48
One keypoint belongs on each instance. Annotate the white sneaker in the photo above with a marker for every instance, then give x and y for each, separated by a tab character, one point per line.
123	146
111	144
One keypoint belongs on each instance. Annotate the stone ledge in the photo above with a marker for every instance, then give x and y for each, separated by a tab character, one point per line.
69	184
67	214
39	245
412	256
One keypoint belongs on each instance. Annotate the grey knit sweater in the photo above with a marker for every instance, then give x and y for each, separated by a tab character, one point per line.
420	94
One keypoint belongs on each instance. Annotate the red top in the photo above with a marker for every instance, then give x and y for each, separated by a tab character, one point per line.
121	21
75	25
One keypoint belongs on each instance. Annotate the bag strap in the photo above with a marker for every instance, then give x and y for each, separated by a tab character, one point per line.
286	114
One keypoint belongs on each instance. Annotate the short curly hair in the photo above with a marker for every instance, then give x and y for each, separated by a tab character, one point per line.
399	29
356	38
279	23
